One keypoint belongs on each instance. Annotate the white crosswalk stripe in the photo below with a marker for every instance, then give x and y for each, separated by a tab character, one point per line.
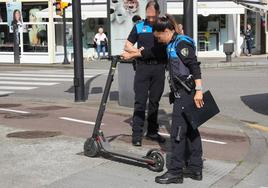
13	81
28	83
44	75
38	79
16	88
5	93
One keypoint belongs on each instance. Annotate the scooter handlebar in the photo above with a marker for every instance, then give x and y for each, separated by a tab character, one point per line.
119	58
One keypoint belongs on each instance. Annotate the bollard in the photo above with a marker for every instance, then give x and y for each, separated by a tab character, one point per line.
228	48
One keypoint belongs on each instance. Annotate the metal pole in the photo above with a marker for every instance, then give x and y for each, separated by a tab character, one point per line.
79	87
109	28
65	61
188	18
16	44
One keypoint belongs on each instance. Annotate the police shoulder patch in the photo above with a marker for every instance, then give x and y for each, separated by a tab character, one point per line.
185	52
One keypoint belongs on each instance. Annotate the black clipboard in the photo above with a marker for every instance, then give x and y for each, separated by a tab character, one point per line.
197	116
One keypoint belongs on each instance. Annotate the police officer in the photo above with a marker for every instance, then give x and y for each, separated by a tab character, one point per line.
150	74
182	62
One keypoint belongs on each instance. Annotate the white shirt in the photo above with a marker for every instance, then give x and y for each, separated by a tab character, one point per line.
100	37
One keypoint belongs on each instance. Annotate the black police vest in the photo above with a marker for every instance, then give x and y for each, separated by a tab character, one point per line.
176	66
145	35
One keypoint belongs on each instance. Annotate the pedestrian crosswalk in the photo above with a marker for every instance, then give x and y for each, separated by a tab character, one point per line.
13	81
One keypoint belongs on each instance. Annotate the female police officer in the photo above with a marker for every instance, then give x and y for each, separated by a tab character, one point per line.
182	62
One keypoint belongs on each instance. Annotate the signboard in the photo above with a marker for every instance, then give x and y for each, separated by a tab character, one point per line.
14	14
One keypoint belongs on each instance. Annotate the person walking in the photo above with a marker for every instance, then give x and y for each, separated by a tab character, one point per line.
149	78
101	41
249	39
182	67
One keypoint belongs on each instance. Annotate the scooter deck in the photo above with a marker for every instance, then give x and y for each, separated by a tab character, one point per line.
107	148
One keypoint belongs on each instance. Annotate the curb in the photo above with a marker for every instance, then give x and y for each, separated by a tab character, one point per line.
233	64
250	162
95	65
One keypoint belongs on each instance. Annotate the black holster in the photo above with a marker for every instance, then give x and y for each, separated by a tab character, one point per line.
188	84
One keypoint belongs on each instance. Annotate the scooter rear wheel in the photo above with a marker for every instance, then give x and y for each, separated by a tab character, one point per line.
157	157
91	148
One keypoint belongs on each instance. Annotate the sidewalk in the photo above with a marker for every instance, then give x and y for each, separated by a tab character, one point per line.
217	62
58	161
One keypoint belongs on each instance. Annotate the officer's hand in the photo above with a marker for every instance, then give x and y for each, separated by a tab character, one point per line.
198	99
126	55
141	48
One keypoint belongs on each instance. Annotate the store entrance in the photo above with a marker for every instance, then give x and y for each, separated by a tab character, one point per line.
210	29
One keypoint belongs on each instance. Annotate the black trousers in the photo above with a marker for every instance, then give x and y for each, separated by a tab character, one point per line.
249	45
180	132
148	83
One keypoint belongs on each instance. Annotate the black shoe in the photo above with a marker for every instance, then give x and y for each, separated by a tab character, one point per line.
155	137
136	142
168	178
195	175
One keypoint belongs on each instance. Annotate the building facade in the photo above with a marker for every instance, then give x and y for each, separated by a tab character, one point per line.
41	40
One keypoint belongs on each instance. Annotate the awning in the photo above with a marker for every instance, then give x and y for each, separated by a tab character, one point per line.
255	7
175	8
87	11
207	8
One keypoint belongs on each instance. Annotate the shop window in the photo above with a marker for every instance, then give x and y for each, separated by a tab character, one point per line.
34	32
35	39
209	30
30	11
35	36
3	12
6	38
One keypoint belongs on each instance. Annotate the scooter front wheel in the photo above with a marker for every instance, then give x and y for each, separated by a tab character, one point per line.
91	148
158	159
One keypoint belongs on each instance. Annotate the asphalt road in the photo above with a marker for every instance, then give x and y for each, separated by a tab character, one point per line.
241	93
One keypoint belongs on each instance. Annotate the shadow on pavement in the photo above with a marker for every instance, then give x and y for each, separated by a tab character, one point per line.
258	102
87	86
125	161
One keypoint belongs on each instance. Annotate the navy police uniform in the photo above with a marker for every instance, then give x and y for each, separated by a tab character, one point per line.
182	63
149	78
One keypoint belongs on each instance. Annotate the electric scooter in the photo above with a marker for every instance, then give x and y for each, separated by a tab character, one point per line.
98	145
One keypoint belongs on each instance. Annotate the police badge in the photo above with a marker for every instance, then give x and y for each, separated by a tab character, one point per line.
185	52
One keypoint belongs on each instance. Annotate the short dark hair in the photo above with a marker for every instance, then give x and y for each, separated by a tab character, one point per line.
136	18
153	3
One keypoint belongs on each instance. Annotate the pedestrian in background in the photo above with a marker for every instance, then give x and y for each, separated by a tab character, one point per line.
182	67
149	78
101	41
249	39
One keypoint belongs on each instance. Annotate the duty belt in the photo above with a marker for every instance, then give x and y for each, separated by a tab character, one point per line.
148	62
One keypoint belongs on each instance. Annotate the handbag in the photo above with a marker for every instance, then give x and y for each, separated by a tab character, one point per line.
197	116
103	43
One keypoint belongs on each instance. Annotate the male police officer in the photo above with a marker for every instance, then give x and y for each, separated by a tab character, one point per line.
150	74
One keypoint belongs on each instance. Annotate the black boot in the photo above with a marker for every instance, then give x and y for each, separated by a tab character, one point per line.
136	142
155	137
136	138
195	175
168	178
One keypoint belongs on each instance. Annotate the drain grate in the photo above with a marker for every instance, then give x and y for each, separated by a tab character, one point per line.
47	108
33	134
9	105
26	116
